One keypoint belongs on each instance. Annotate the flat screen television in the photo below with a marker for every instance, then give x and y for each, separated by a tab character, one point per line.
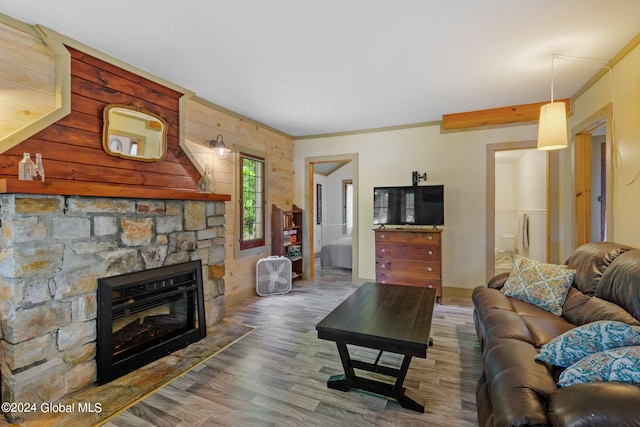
417	205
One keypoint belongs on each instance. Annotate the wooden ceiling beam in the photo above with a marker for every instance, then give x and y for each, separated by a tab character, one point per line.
496	116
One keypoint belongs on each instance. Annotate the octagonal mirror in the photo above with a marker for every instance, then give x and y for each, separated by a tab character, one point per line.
133	133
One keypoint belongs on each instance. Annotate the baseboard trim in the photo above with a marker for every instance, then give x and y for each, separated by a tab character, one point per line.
451	292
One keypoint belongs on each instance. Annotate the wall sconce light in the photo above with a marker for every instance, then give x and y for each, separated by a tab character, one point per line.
220	147
552	127
417	177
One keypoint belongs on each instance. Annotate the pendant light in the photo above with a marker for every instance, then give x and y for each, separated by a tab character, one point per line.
552	127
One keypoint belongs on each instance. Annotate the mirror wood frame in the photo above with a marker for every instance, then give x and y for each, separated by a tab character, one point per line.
130	134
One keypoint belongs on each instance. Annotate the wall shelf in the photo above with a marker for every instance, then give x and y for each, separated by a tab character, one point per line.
96	189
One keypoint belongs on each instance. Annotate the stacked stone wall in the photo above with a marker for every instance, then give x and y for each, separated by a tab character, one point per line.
52	251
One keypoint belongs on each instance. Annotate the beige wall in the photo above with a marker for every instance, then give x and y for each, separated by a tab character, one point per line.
203	122
455	159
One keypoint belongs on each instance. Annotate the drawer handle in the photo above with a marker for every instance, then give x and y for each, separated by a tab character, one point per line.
429	269
431	286
430	237
383	266
430	252
382	236
383	250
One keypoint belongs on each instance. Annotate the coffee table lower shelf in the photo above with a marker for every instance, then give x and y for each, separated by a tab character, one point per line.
349	380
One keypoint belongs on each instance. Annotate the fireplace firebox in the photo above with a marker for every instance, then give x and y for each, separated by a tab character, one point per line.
146	315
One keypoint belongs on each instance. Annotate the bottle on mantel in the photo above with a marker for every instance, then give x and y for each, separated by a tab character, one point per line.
25	168
206	184
38	171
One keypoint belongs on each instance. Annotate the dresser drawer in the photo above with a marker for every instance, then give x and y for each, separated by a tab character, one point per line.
395	279
420	252
408	237
420	269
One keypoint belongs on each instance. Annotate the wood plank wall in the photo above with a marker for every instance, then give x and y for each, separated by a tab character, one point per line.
72	147
204	122
28	80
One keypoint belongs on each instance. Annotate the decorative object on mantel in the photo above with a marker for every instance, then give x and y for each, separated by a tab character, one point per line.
25	168
221	148
131	132
206	183
38	171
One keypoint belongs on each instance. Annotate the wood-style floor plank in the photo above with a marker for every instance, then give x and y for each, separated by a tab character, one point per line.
276	376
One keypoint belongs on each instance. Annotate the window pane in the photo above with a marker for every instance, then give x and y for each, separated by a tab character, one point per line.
252	207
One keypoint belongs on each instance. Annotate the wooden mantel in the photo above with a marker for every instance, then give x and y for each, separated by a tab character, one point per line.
96	189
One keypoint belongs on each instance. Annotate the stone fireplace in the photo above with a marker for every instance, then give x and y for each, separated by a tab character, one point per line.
54	248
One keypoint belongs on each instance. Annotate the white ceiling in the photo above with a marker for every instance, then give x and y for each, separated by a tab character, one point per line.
315	67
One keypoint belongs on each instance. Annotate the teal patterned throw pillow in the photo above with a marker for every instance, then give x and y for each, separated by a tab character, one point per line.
543	285
620	365
578	343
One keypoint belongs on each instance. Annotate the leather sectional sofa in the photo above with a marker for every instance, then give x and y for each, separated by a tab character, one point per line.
515	389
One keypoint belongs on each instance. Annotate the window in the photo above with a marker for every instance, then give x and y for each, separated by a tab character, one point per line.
252	201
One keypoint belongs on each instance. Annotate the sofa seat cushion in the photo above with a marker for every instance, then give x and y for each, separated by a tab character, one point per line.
580	342
540	284
545	329
595	404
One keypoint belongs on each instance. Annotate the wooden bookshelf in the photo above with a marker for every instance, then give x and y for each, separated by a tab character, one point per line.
286	236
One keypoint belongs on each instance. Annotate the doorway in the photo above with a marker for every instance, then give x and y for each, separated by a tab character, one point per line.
331	206
592	178
520	204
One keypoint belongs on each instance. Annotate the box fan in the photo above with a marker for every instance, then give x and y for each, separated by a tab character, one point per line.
273	276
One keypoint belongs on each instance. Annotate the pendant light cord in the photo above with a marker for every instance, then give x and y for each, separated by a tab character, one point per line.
616	156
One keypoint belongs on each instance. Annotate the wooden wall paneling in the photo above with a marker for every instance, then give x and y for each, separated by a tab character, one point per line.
29	83
72	147
204	121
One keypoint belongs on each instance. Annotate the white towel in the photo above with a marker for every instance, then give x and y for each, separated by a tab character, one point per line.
522	232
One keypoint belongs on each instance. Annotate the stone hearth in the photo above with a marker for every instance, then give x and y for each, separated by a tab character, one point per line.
53	250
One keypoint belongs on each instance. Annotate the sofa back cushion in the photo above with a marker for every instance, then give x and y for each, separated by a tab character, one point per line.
573	305
620	283
598	309
591	261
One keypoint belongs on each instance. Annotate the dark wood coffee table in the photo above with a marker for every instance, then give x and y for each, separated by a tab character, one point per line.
391	318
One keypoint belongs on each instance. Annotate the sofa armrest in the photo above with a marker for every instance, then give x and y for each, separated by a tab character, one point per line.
595	404
497	282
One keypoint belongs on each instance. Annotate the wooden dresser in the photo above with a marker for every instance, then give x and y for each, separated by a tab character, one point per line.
409	257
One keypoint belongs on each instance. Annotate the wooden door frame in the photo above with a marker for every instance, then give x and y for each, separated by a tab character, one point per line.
582	174
308	264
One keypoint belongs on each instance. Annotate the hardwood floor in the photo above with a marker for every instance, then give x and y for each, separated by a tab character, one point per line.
277	375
